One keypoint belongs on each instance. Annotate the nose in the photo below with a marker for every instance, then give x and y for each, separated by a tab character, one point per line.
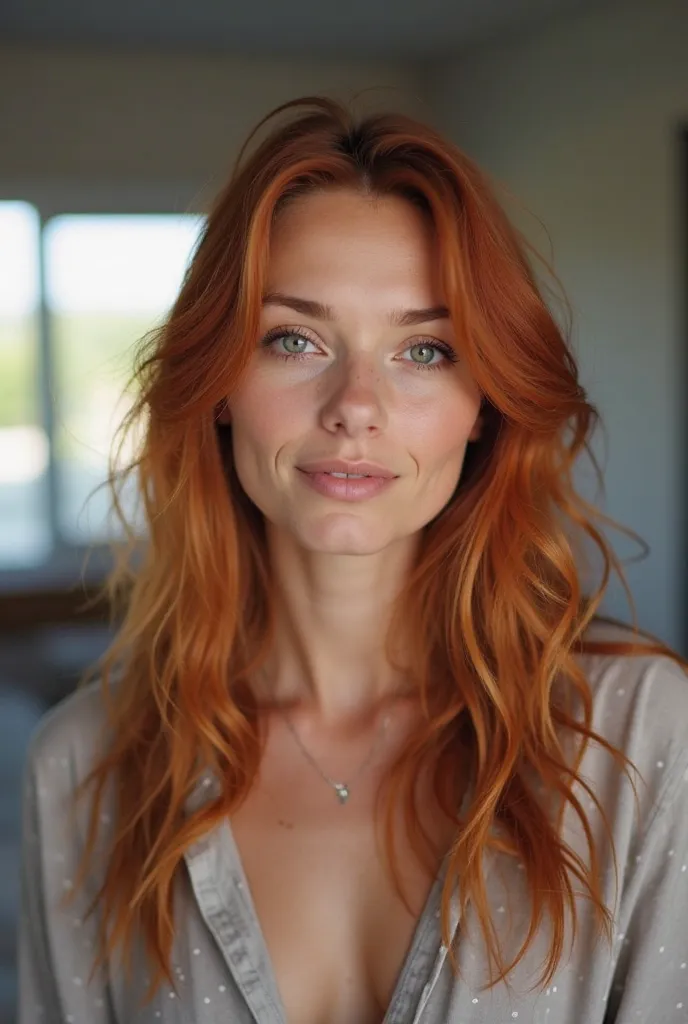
356	404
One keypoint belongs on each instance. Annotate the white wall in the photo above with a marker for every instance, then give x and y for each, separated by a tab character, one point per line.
581	121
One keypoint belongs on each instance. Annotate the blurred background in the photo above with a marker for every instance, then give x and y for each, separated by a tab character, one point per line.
118	123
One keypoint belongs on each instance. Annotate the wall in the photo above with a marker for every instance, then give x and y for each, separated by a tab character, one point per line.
105	125
581	122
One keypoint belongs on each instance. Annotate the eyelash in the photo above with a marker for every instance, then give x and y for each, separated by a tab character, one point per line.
282	332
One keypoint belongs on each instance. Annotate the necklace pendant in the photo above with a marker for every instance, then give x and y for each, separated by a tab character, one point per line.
342	792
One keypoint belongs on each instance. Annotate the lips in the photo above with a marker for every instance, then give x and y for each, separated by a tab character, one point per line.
351	469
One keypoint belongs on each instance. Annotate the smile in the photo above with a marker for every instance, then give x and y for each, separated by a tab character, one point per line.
345	486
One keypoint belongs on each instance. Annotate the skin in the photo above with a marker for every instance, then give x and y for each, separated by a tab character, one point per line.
361	390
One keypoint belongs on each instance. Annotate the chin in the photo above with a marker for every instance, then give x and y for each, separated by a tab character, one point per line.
347	537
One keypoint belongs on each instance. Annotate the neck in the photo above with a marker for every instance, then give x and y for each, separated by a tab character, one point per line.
332	618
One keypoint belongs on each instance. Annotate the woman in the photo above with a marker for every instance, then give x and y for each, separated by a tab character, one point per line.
362	749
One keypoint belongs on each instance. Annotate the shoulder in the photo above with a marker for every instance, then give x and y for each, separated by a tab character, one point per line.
640	706
64	748
68	736
647	692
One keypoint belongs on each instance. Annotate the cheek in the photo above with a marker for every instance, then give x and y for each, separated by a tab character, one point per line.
266	422
437	433
264	419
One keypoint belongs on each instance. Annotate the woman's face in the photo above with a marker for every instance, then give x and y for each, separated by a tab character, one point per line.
348	371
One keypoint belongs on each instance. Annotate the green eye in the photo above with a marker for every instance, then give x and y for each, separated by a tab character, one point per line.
427	353
296	340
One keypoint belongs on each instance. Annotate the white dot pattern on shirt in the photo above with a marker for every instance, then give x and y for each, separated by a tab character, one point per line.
222	988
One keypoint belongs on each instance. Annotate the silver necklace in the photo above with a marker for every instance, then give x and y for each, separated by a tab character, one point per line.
342	789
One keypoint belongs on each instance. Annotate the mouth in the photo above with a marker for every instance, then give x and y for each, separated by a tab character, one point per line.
347	476
345	470
345	481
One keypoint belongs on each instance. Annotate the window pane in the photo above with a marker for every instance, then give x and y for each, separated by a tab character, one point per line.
109	279
24	524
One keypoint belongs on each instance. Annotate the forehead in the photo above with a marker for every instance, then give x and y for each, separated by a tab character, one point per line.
366	243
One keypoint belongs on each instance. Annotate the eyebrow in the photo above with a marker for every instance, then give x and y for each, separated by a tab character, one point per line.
398	318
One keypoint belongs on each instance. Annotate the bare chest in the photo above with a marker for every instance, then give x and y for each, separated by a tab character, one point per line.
336	930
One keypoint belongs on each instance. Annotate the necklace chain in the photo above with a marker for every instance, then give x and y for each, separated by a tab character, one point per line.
342	789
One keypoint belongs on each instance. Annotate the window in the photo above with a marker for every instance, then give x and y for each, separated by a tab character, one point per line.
67	338
24	533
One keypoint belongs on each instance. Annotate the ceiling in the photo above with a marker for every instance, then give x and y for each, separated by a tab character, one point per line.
297	28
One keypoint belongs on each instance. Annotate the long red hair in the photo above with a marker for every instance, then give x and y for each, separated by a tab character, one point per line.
493	611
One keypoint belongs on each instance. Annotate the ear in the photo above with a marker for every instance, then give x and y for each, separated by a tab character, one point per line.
223	414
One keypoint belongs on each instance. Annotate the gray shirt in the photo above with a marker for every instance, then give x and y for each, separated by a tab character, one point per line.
220	962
